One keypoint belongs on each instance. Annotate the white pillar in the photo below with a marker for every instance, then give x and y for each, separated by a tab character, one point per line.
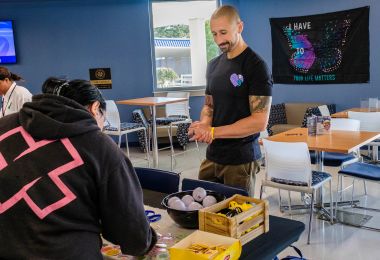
198	51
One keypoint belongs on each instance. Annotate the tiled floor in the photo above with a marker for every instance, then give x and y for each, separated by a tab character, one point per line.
327	241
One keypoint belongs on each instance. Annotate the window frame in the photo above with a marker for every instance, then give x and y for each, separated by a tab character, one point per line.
194	89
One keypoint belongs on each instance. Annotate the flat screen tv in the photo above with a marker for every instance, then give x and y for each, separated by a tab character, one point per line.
7	43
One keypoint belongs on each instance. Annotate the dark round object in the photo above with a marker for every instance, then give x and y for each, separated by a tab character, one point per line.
188	218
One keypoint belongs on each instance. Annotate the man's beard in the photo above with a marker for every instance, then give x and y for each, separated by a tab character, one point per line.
227	46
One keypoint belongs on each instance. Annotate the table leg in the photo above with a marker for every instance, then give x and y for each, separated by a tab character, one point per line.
375	152
154	130
319	163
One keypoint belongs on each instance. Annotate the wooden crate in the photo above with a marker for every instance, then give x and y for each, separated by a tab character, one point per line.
234	227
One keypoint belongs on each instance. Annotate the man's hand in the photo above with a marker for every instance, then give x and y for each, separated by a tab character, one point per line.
200	132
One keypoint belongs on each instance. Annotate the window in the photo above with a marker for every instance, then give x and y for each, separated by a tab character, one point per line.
183	43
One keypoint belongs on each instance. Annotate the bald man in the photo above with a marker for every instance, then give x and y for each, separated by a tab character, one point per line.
237	106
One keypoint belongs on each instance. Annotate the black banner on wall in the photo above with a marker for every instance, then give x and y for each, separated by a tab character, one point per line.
321	49
101	78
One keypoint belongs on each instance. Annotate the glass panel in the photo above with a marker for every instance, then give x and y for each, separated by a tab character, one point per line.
373	104
364	103
183	42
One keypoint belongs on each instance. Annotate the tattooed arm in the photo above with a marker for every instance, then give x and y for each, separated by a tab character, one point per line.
207	110
255	123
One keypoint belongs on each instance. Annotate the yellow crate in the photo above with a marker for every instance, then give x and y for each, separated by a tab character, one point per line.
179	251
235	226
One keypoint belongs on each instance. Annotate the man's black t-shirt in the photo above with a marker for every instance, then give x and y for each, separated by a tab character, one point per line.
230	82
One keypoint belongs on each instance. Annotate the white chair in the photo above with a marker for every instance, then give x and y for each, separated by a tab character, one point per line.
176	114
179	108
340	159
113	126
288	167
345	124
360	171
369	121
324	110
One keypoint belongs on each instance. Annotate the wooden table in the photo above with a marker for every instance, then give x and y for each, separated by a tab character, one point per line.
282	233
152	102
336	142
344	113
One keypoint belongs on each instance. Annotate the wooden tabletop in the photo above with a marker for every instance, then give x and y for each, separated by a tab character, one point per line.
151	101
165	226
336	141
344	113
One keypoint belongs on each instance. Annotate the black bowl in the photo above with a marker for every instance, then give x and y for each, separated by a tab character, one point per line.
187	218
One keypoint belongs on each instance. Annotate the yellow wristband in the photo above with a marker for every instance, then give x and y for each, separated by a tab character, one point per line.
212	133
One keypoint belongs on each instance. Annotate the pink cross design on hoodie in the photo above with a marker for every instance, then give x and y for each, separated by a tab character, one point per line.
10	164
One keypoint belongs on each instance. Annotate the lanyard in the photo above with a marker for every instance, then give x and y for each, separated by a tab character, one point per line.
4	108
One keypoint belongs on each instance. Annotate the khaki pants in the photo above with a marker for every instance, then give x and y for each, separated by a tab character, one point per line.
241	176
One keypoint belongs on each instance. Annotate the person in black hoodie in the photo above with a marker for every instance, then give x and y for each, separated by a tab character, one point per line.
63	183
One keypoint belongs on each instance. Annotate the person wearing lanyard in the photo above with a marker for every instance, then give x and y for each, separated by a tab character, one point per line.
13	96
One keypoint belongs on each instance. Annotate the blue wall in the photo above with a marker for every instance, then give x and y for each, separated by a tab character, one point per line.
67	38
256	14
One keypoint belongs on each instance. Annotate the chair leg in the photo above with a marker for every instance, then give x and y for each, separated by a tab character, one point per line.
352	193
375	152
119	143
331	204
365	187
171	148
126	144
311	216
338	190
340	180
289	203
261	191
147	147
150	136
279	199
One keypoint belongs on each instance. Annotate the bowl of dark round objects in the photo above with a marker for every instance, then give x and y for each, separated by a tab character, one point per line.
183	207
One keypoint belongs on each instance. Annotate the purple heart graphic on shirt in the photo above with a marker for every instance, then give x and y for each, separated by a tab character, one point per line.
236	80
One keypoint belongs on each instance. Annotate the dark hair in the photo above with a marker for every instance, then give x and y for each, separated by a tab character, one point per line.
6	74
78	90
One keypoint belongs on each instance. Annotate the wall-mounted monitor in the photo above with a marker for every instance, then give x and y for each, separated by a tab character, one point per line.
7	43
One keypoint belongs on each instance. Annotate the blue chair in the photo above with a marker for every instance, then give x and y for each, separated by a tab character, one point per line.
334	159
340	159
361	171
228	191
139	118
158	180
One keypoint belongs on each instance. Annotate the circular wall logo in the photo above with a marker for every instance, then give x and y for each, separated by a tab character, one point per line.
100	74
